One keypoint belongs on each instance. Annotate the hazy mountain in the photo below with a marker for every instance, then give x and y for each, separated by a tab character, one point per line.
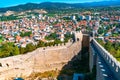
58	6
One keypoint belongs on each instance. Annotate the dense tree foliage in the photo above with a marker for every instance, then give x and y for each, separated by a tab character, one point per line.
30	47
1	38
68	36
52	36
8	49
100	30
8	18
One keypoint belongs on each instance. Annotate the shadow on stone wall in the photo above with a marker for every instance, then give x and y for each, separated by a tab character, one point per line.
85	41
78	64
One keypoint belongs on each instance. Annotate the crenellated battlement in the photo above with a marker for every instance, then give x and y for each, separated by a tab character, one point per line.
78	35
111	67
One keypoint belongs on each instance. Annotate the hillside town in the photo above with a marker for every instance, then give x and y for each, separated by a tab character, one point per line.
35	28
32	28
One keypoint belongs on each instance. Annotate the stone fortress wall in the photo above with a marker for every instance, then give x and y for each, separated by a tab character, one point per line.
40	60
108	68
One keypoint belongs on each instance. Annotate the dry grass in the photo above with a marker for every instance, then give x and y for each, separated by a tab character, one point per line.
43	75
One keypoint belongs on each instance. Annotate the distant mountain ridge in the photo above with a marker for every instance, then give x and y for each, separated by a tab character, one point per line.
50	5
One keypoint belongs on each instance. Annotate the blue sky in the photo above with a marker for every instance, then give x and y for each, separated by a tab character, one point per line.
7	3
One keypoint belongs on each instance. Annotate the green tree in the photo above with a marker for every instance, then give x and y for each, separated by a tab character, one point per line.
30	47
100	30
22	50
117	55
52	36
16	50
112	50
23	34
108	45
40	44
8	49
